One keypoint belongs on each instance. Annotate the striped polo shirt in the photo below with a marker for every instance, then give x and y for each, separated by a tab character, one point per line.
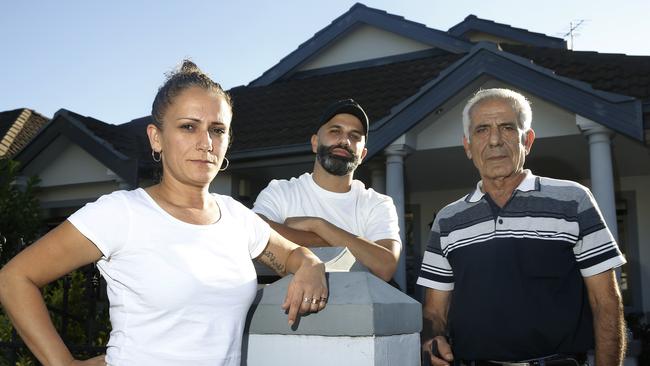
517	272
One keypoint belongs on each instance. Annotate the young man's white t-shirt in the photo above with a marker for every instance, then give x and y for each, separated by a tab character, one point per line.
359	211
179	293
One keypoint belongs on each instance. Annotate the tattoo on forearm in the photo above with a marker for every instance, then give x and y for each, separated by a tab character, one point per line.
270	260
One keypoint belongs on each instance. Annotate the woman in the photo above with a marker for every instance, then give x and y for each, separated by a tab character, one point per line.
176	259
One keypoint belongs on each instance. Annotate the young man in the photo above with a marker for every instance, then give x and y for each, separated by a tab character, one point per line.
328	207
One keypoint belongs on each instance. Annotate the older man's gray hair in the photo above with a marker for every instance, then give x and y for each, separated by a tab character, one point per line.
520	105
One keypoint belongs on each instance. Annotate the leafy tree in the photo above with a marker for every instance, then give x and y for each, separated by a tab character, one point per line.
20	224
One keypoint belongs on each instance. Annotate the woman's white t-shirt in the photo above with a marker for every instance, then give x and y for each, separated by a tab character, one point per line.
179	293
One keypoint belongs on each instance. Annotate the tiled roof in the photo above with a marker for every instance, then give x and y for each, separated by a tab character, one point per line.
17	128
136	131
129	139
7	119
287	112
616	73
105	133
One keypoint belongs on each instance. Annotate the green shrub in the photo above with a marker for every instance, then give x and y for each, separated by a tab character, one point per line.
20	213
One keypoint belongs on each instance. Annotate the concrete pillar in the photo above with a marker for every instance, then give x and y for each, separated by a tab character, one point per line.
602	173
366	322
395	189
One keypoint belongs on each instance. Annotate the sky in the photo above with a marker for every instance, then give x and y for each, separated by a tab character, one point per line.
106	59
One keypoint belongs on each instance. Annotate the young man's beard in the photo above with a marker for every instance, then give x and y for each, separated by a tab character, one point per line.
335	164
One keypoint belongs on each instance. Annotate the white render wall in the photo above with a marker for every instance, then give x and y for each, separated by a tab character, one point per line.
486	37
68	173
363	43
73	165
447	130
88	191
430	203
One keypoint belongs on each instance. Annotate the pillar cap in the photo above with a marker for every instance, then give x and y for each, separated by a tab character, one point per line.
359	304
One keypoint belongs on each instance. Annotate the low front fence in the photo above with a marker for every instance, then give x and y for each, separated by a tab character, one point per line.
79	310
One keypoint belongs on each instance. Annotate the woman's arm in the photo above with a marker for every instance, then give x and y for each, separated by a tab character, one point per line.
308	282
57	253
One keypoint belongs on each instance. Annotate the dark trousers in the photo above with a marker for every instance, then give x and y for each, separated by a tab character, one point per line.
549	361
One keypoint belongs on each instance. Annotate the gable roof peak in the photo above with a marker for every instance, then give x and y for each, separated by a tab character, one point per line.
360	14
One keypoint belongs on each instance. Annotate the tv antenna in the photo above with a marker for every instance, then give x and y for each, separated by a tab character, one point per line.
573	27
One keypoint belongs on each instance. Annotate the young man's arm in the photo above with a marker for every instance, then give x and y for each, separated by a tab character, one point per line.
301	237
379	256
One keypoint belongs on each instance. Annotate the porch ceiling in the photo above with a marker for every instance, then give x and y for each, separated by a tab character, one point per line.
565	157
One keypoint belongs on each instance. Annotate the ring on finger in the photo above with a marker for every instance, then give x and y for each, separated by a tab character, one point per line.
314	301
307	300
323	299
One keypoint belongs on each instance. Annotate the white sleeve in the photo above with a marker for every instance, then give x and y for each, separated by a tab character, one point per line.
105	222
270	203
383	222
257	229
260	234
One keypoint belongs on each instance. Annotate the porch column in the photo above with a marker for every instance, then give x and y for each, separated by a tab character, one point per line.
395	189
602	173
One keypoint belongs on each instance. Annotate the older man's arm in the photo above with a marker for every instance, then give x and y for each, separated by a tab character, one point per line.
609	325
434	326
379	256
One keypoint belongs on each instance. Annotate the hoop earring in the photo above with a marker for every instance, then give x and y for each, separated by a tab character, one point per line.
227	164
153	156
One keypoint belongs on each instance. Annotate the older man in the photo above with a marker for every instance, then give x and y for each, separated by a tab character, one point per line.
328	207
520	270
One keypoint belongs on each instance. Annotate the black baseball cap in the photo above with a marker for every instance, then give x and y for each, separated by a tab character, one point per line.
346	106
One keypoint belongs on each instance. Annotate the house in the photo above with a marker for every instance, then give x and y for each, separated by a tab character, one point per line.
591	114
